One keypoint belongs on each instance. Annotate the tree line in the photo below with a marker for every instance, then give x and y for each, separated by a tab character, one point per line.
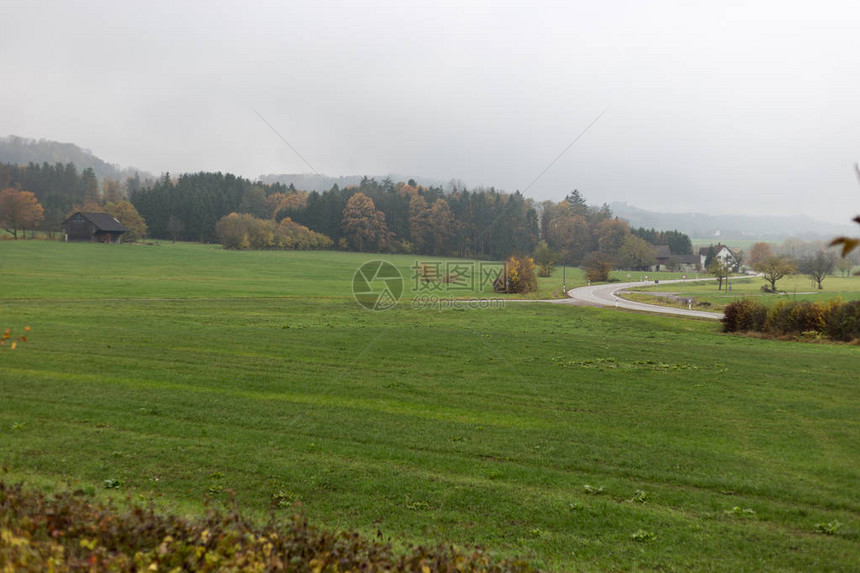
57	188
373	216
811	258
40	196
405	217
576	233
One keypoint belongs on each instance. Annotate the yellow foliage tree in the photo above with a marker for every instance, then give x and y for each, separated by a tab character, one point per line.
520	275
19	210
125	213
363	226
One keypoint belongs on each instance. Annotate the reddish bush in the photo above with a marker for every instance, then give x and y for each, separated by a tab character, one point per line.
68	532
744	315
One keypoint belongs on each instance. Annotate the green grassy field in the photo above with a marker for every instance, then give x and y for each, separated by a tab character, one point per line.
183	270
795	287
579	438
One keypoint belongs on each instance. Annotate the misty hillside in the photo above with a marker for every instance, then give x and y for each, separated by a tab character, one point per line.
21	151
703	225
314	182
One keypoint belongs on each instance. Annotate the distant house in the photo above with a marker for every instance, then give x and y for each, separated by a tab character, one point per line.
723	253
663	256
666	261
95	227
687	263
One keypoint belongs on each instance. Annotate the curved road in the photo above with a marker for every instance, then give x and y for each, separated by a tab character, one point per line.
606	295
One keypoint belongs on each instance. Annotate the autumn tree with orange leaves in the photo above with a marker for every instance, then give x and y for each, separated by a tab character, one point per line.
759	252
19	210
442	225
419	223
363	226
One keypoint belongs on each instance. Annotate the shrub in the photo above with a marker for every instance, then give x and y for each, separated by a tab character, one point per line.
521	274
806	316
244	231
744	315
842	320
126	214
851	320
778	320
545	258
597	267
833	319
795	317
234	230
70	532
292	235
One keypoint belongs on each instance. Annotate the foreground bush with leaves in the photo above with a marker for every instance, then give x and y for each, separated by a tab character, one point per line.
70	532
833	319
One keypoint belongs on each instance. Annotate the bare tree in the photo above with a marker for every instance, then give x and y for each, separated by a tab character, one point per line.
845	264
818	266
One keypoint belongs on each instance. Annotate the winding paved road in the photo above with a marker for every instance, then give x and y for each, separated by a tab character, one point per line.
606	295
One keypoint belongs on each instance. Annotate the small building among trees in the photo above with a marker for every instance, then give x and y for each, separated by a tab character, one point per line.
666	261
95	227
725	255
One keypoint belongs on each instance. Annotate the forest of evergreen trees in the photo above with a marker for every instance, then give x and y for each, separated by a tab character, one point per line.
377	216
678	242
57	187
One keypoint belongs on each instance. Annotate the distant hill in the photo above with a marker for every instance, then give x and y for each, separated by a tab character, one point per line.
314	182
748	227
21	151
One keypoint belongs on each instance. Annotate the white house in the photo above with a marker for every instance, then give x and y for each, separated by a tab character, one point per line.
723	253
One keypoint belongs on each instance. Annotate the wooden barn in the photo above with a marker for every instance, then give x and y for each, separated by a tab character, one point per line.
95	227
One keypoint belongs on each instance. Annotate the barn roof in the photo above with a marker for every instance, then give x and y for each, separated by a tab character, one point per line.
686	259
662	252
103	221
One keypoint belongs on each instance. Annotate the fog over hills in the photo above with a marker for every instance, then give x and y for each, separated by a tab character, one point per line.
709	107
321	182
704	225
21	151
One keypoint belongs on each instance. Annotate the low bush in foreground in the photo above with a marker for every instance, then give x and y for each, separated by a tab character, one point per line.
833	319
69	532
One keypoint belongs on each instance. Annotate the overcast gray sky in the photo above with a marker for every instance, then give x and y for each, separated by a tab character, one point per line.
727	107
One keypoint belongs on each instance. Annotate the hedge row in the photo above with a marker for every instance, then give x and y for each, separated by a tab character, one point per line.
69	532
834	319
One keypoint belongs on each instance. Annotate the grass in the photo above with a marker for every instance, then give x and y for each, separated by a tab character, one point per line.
186	270
796	287
578	438
662	300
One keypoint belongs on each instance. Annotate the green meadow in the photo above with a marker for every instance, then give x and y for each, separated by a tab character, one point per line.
577	438
183	270
793	287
